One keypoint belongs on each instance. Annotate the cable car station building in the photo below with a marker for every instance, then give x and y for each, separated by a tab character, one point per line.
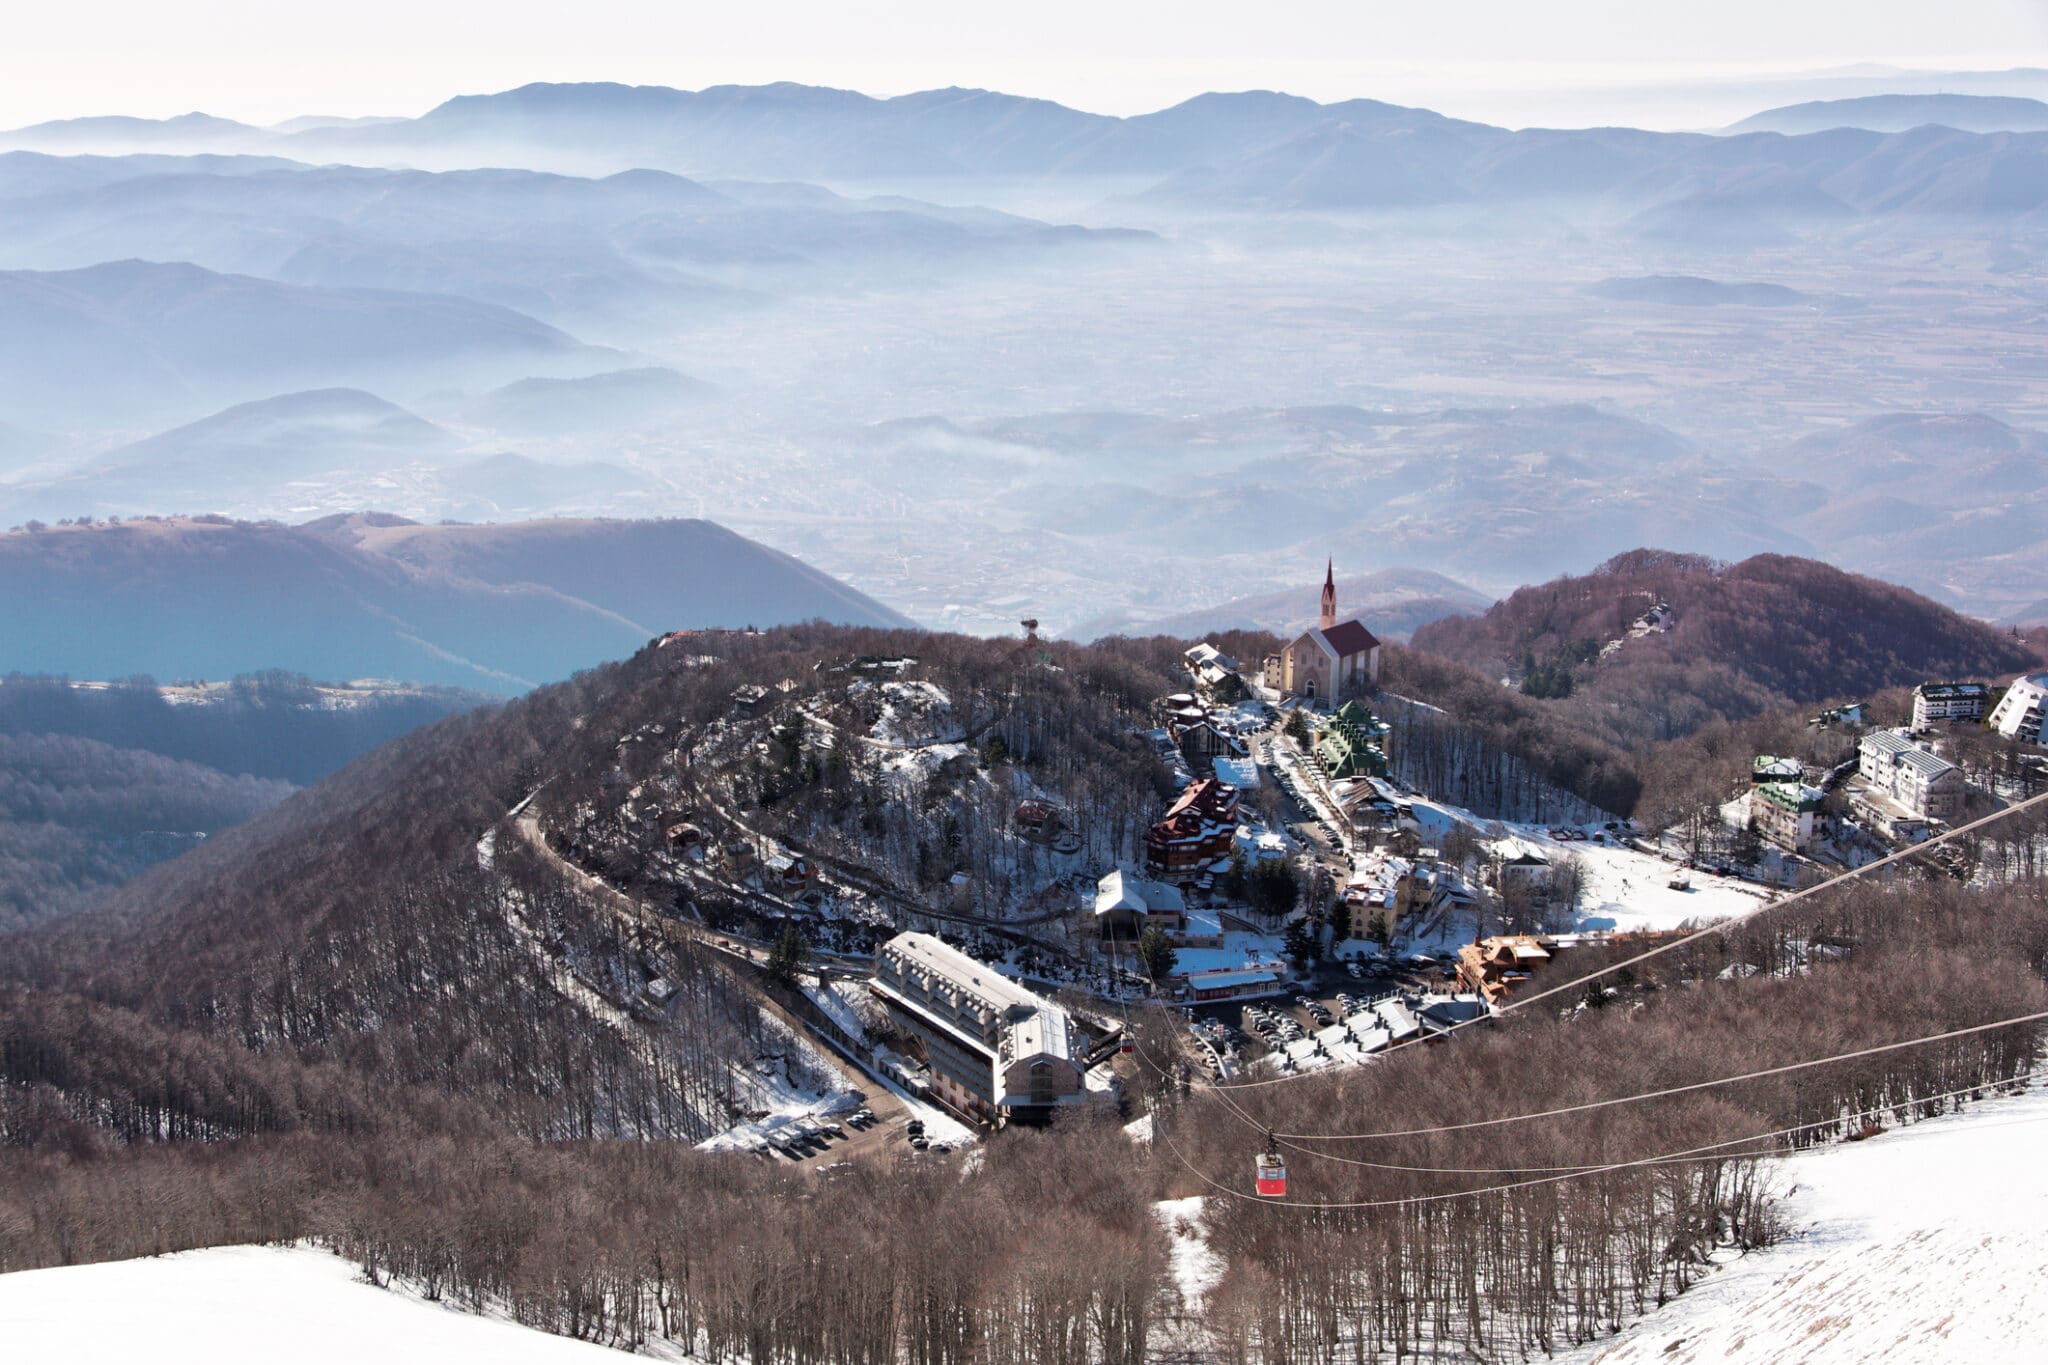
996	1050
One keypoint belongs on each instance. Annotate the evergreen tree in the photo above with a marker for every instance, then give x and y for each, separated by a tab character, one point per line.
1156	954
789	955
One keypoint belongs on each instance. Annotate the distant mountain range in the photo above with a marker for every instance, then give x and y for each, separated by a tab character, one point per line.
1252	150
1951	502
1898	113
614	401
1393	603
270	441
496	608
136	337
628	257
327	447
119	130
1691	291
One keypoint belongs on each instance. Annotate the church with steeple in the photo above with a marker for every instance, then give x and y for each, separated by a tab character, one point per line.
1334	661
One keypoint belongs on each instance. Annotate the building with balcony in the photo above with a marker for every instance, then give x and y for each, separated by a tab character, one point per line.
1918	781
2019	712
995	1050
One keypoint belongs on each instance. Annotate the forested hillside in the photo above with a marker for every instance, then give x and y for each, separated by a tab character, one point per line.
1769	632
499	608
99	781
384	1017
356	929
271	725
78	816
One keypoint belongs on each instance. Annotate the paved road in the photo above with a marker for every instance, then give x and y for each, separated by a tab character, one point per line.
667	926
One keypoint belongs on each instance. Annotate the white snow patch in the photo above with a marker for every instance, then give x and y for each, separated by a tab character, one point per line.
1196	1266
1620	889
841	1002
912	713
252	1306
1925	1243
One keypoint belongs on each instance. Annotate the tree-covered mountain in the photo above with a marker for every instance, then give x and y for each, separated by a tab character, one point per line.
1769	632
100	780
498	608
78	817
399	1016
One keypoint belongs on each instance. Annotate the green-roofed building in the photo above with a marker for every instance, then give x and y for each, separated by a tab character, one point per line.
1786	813
1352	742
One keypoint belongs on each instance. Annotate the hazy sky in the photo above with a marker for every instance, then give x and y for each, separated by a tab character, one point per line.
263	60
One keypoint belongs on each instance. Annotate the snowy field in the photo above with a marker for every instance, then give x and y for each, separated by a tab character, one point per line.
1928	1243
251	1306
1620	890
1623	890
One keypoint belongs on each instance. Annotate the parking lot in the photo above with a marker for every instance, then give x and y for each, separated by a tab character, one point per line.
886	1129
1239	1032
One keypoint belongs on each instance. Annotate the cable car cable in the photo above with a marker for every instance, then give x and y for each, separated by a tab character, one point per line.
1719	927
1408	1200
1980	1086
1686	1156
1807	1065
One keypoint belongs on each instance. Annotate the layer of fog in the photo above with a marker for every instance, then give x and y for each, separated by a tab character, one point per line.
976	418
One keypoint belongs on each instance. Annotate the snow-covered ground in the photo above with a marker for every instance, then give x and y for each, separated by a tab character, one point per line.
1196	1265
916	766
757	1134
842	1003
252	1306
1927	1243
1620	889
911	713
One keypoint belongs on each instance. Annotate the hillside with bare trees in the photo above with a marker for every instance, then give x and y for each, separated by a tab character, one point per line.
409	1014
1733	640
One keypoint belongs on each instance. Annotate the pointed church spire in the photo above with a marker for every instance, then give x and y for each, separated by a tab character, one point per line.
1330	595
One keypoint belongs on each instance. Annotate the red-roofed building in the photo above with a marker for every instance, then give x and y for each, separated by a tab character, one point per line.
1196	831
1335	660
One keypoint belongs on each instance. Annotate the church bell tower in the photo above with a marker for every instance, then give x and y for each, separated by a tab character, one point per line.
1329	596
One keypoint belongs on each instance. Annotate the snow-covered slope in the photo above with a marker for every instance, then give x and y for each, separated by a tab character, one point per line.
259	1305
1928	1243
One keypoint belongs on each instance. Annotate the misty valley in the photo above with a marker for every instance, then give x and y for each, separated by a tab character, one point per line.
1089	405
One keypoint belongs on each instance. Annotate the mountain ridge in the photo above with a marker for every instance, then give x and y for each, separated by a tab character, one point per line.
1898	113
1768	633
1218	150
494	608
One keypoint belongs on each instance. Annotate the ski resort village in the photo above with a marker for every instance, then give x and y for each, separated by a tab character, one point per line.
957	887
1245	995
